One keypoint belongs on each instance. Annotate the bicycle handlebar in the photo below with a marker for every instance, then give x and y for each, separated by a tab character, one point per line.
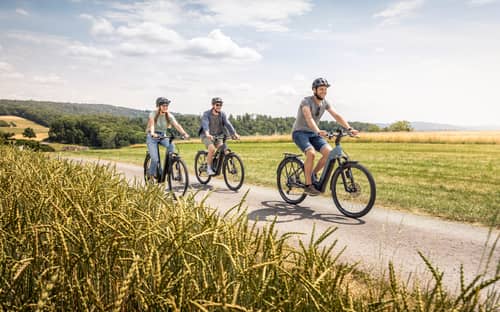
223	137
170	137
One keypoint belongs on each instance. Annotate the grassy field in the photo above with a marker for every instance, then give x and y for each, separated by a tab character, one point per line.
21	124
82	237
454	181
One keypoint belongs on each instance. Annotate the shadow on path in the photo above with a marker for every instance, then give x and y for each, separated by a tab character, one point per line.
285	212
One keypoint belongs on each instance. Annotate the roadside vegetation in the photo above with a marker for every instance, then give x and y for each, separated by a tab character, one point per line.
458	182
80	236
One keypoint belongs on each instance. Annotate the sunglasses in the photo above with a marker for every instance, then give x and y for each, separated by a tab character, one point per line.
164	104
218	104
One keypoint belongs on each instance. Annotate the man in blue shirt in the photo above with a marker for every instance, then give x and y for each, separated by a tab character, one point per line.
214	123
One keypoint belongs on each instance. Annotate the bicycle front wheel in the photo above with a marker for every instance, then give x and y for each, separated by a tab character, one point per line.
233	171
291	180
353	190
178	178
200	167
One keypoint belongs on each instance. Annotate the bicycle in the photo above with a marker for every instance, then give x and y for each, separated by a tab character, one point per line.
224	160
352	185
174	170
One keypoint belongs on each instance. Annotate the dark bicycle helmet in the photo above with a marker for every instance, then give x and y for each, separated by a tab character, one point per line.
318	82
217	100
162	100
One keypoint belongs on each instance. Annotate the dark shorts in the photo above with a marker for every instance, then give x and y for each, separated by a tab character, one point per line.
306	139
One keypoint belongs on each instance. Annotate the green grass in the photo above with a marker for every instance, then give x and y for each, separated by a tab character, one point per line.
454	181
81	237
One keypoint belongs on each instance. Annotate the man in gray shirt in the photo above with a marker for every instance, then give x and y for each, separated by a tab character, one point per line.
214	123
309	137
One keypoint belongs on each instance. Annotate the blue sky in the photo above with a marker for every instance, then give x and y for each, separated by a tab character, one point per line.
417	60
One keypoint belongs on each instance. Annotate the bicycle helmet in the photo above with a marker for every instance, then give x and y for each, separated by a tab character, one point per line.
161	101
217	100
318	82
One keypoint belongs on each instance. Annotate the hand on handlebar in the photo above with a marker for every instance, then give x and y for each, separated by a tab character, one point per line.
353	132
235	136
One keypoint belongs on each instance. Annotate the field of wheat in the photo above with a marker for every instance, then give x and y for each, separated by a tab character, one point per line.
452	137
81	237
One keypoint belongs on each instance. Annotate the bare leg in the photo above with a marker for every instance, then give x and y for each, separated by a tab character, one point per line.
325	150
308	164
210	157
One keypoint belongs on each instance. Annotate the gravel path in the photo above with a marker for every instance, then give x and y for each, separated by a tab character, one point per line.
381	236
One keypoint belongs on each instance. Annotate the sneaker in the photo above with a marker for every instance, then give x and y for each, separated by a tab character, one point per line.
210	172
311	190
151	178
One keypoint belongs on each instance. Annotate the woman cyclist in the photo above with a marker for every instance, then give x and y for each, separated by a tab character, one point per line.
158	123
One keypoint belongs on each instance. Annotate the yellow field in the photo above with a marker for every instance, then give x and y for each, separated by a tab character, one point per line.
455	137
21	124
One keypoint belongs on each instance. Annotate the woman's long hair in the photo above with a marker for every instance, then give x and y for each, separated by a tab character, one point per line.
167	116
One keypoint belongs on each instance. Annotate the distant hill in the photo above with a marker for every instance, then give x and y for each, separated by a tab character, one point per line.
45	113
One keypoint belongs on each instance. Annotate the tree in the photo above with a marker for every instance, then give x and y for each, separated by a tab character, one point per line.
401	125
29	133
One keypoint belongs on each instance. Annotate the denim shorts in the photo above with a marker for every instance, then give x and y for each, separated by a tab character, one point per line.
306	139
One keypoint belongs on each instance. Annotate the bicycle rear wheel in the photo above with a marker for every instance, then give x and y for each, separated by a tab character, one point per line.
200	167
178	178
291	180
233	171
353	190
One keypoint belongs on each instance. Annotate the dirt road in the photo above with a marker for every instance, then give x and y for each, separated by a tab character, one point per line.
381	236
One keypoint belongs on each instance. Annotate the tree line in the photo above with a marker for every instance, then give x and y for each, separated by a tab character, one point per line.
106	126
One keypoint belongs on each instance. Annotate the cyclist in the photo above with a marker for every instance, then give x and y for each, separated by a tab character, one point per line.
309	137
158	123
214	123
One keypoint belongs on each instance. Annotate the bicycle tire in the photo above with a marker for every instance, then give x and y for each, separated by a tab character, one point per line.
200	167
290	177
233	168
353	202
178	178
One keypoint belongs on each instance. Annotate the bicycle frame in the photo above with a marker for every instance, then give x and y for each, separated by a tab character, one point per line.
220	155
167	163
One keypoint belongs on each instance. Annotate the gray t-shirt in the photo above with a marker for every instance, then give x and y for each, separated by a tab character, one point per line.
317	112
161	122
215	125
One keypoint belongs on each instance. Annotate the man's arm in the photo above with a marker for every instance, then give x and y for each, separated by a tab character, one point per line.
228	124
205	124
306	111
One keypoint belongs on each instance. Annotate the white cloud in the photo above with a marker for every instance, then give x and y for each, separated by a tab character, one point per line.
399	10
4	67
161	12
100	25
481	2
218	45
86	51
49	79
7	71
263	15
131	49
150	32
22	12
284	90
299	77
